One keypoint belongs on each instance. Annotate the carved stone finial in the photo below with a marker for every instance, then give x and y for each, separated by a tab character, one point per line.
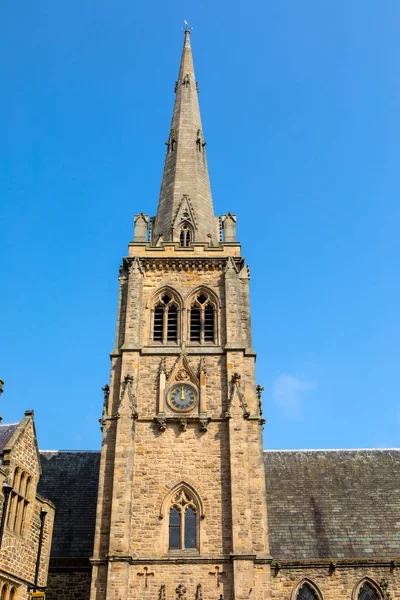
127	387
385	589
128	380
123	274
235	387
259	391
163	367
236	378
106	391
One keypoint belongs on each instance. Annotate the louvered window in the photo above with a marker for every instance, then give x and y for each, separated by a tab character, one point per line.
165	320
202	320
195	324
172	327
158	323
209	323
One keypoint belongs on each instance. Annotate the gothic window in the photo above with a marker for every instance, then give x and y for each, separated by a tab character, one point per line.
185	236
18	502
165	320
13	594
183	522
202	319
4	592
367	592
306	593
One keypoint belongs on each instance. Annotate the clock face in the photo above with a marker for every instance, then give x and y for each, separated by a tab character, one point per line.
182	397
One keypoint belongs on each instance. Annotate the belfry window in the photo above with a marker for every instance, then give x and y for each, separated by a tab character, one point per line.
185	236
367	592
202	319
182	522
165	323
306	593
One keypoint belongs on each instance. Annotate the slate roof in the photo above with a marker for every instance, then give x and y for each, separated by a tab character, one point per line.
6	432
70	480
333	503
321	503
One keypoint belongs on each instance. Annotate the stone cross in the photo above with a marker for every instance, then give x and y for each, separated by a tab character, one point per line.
218	574
146	575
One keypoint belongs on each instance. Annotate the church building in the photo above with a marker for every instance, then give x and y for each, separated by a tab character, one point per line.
183	503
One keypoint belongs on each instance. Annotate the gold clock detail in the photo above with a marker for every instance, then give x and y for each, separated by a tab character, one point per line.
182	397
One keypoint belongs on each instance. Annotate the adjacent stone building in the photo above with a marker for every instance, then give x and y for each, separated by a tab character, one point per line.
26	517
182	502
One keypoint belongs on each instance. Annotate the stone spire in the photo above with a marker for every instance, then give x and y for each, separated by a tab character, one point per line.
185	202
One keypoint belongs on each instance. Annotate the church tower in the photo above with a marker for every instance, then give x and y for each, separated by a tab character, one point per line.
181	511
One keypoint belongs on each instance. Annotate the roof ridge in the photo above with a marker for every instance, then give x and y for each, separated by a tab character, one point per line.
331	449
72	451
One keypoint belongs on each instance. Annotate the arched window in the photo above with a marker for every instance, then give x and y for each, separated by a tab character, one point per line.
185	236
18	502
183	521
165	323
367	592
13	593
4	592
203	319
306	593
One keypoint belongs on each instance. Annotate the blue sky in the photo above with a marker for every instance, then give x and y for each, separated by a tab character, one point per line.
300	112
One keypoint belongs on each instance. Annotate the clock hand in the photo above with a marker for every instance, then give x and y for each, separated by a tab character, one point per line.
182	394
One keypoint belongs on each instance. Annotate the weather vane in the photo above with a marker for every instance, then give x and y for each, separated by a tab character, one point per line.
187	26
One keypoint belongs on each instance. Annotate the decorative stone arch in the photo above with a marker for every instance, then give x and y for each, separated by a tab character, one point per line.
166	495
361	582
203	311
185	234
162	326
306	581
182	511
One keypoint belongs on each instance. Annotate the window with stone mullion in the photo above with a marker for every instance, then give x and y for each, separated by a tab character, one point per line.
182	528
